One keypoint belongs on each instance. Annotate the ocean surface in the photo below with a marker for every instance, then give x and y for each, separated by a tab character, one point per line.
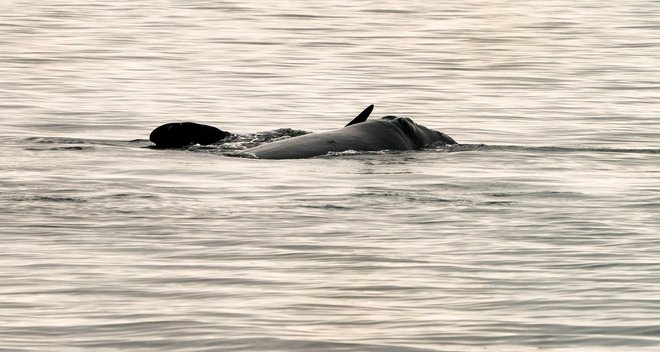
539	232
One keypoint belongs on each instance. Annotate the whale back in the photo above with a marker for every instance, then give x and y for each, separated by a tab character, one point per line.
388	133
364	136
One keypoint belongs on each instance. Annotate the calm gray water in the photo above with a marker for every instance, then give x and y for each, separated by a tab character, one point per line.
540	232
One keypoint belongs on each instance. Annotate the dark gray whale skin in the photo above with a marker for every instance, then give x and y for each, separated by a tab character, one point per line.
182	134
388	133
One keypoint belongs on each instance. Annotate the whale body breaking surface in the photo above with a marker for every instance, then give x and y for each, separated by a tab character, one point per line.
387	133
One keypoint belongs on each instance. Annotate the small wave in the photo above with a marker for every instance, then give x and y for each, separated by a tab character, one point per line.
76	148
326	206
87	143
39	198
53	140
345	152
241	154
543	149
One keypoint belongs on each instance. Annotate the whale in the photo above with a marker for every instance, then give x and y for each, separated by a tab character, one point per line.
182	134
386	133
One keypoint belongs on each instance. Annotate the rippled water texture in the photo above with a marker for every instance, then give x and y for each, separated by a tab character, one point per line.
539	232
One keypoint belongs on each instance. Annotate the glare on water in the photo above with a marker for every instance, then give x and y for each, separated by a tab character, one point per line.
539	231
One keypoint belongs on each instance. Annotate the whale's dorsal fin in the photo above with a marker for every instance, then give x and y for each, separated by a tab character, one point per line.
362	116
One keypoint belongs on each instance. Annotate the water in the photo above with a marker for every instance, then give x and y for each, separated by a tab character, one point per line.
539	232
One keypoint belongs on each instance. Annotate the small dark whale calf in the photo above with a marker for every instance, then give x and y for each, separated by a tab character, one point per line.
181	134
388	133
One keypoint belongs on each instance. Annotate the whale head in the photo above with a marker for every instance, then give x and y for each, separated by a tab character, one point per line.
421	136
